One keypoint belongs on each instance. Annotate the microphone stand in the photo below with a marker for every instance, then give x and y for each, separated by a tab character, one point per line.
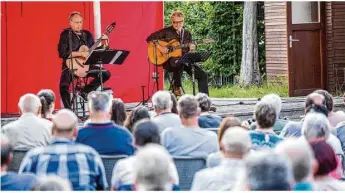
156	75
72	71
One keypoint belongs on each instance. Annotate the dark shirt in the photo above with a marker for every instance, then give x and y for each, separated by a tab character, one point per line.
209	121
15	182
169	33
85	38
107	138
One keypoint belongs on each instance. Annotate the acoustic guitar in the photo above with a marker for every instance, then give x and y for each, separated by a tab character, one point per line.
174	47
79	67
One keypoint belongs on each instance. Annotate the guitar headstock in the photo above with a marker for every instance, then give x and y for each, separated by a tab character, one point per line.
110	28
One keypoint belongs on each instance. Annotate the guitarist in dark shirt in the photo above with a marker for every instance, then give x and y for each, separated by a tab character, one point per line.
176	31
79	37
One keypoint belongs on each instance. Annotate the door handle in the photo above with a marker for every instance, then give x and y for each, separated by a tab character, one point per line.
292	40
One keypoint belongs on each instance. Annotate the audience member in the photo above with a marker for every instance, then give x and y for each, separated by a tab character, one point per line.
206	120
145	132
65	158
29	130
264	136
118	112
47	98
52	183
11	180
189	139
326	163
162	105
136	115
101	133
152	169
235	145
301	157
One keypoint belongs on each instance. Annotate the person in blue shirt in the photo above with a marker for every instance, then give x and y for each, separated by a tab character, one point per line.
100	132
206	120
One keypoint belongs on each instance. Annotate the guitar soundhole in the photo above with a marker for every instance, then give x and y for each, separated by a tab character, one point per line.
170	48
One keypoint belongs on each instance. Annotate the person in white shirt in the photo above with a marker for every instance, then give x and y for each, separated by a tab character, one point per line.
29	130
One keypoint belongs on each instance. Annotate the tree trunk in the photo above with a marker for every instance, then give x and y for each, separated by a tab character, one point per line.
250	72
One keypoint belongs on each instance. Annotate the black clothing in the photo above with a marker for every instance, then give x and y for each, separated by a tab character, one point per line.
173	65
85	38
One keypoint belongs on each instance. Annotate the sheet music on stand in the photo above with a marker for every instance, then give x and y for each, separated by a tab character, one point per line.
193	57
102	56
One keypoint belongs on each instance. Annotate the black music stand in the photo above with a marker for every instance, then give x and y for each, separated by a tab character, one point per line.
191	58
103	56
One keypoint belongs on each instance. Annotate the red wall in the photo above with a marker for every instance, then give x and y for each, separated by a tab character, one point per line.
29	37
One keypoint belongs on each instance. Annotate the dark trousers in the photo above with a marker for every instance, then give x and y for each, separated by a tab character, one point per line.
173	65
66	79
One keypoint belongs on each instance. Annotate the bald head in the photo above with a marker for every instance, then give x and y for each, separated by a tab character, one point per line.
64	122
29	103
314	98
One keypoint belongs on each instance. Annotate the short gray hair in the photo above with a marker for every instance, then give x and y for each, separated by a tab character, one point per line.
188	106
301	157
52	183
236	140
162	100
316	125
275	100
266	170
29	103
204	102
99	102
265	114
152	168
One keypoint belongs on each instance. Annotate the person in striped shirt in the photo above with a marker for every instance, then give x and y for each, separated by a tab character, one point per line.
78	163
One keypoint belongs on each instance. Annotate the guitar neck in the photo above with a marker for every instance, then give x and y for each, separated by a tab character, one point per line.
187	44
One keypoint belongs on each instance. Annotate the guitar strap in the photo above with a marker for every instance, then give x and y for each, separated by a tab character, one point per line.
182	35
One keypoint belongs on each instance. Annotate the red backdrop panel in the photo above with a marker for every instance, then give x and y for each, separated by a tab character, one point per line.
30	34
134	22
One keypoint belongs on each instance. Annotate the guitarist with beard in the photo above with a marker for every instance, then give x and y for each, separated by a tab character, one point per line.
78	37
176	31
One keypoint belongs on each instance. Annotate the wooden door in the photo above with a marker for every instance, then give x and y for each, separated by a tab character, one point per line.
306	52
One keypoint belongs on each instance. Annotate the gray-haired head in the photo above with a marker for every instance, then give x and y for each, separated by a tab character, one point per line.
161	100
99	102
237	141
29	103
52	183
266	170
316	125
188	106
274	100
301	157
152	169
204	102
265	115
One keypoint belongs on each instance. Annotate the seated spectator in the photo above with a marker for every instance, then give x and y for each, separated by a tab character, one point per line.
301	157
52	183
340	133
264	136
162	105
189	139
118	112
266	170
334	118
326	163
136	115
29	130
151	170
101	133
65	158
11	180
145	132
214	159
235	145
276	101
206	120
47	98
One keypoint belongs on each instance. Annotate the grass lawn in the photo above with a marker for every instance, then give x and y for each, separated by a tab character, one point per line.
234	91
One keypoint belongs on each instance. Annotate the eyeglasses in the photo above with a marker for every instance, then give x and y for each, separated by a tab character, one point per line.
78	22
177	22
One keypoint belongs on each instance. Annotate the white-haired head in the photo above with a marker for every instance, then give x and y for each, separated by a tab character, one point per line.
236	141
301	157
52	183
29	103
161	101
152	169
274	100
316	125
